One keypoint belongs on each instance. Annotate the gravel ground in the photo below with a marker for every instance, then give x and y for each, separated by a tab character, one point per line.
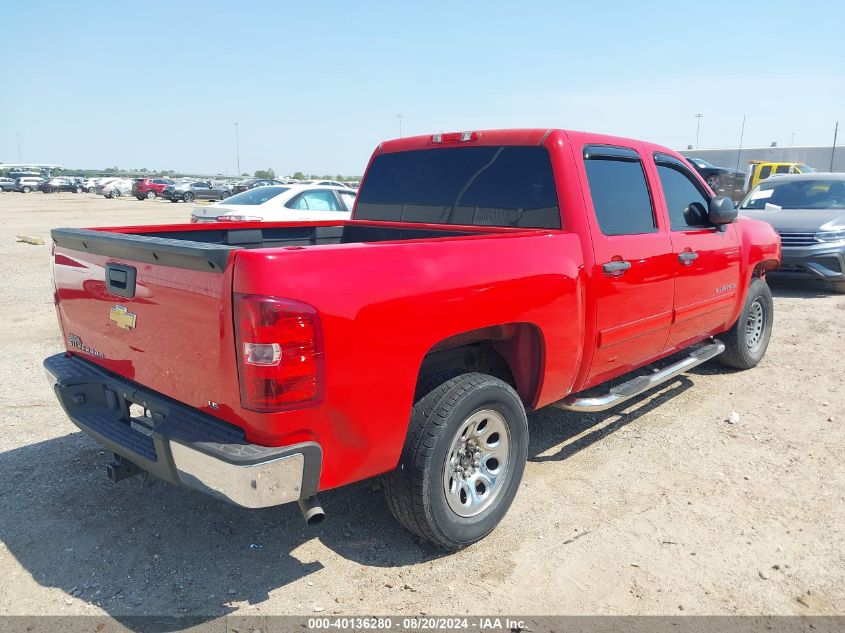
662	507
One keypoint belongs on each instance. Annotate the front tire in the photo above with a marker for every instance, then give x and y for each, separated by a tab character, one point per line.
225	195
462	462
746	342
114	193
151	195
26	189
838	286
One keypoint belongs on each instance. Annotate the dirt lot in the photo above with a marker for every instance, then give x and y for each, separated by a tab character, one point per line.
660	508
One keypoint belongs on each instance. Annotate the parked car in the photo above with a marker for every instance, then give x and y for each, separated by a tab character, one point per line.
89	185
326	183
808	211
59	185
196	190
149	188
759	170
244	185
288	203
114	187
482	275
722	180
26	184
8	184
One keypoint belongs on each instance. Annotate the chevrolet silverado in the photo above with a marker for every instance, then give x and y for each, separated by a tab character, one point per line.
482	275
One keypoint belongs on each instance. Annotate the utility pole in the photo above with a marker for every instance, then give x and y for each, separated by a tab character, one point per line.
697	128
237	150
400	117
791	139
19	146
739	152
833	149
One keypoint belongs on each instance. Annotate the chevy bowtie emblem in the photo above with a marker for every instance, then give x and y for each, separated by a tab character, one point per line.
125	320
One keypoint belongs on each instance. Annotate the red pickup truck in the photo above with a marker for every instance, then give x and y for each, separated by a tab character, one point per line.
483	275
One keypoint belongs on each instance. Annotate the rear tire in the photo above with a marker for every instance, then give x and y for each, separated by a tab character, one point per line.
746	342
26	189
188	197
114	193
462	462
838	286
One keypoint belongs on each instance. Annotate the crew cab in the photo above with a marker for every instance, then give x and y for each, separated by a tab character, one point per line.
482	275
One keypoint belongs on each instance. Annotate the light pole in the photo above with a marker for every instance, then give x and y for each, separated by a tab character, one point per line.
400	117
697	128
237	150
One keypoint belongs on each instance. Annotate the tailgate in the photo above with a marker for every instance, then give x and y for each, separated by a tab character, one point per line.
154	310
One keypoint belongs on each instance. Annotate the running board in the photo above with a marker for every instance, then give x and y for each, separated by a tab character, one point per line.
641	384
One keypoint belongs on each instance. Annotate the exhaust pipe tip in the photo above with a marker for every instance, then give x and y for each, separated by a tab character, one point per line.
312	511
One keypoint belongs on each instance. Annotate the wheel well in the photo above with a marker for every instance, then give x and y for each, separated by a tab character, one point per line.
763	267
512	352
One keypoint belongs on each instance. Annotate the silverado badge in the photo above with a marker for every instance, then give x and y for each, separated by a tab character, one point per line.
125	320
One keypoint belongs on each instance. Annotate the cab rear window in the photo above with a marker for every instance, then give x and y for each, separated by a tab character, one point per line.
480	186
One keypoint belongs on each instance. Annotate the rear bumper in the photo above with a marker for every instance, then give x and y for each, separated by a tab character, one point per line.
178	443
821	261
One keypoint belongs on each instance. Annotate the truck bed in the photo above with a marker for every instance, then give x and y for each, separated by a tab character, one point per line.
185	246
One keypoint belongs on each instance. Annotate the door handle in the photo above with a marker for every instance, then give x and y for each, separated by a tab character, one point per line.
616	267
687	257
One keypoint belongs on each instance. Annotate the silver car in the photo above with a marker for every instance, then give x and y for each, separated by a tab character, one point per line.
808	211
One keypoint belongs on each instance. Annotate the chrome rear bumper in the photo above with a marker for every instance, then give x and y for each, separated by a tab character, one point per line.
178	443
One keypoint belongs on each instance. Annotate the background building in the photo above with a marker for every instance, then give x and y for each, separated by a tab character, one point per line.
818	157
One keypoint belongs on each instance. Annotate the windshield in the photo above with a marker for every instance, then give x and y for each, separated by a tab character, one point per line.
259	195
805	169
703	164
796	194
483	186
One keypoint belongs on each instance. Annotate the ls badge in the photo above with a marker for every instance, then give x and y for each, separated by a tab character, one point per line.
125	320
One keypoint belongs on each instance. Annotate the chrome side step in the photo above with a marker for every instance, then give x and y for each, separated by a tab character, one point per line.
640	384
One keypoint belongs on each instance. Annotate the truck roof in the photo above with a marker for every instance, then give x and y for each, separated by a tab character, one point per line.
512	136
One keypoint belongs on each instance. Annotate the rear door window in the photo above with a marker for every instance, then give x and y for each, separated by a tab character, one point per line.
481	186
619	191
765	171
321	200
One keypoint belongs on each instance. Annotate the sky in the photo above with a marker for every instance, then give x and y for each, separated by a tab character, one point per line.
315	86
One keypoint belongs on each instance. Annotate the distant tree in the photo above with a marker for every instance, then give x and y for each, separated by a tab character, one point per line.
298	176
245	175
265	173
111	170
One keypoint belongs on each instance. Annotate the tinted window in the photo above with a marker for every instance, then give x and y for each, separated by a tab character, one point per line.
484	186
620	196
320	200
765	171
782	169
258	195
686	204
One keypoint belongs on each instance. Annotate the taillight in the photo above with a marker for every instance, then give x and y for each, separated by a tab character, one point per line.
280	356
454	137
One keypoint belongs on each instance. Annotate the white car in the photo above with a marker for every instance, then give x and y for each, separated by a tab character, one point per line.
328	183
114	188
281	203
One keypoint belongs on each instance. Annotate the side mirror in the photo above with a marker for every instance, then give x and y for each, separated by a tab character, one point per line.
722	210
